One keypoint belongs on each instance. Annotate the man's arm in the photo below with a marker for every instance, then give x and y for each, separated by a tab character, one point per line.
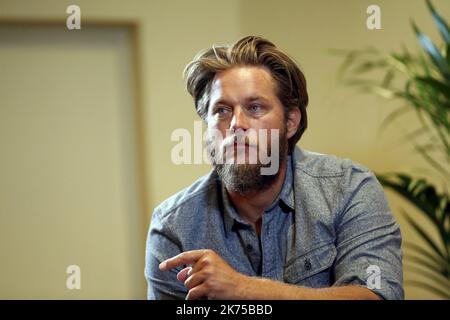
162	244
266	289
368	238
212	277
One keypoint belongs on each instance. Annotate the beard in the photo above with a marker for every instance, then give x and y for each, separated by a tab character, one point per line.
245	177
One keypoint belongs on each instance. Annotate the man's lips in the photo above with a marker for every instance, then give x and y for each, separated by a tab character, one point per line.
243	146
239	148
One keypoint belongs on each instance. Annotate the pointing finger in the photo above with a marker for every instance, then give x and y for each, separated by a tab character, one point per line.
188	257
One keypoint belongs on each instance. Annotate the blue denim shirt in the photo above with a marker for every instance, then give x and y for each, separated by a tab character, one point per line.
329	226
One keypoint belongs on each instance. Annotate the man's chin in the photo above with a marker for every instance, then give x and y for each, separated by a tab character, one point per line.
243	178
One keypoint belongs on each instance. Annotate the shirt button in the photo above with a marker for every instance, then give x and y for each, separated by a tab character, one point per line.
249	248
307	264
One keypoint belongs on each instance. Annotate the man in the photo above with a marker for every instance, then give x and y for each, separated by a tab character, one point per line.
317	227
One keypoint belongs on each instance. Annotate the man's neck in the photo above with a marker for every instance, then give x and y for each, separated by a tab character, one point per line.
251	205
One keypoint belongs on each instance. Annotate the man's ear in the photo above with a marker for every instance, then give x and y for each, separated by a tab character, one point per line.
293	121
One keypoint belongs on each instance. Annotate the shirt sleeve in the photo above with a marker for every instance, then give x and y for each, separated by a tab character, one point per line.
161	245
368	239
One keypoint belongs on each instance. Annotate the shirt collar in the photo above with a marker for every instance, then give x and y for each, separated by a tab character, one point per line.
285	200
286	196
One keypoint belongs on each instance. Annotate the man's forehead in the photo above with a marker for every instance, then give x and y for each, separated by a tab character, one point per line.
249	82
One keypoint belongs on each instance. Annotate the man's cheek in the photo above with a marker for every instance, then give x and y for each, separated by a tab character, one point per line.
213	138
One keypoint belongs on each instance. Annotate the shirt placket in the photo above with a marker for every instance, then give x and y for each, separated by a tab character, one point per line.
268	246
251	245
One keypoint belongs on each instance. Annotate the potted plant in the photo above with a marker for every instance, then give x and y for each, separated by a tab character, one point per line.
422	81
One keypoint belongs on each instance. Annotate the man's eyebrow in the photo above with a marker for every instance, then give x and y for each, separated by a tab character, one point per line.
220	101
254	98
249	99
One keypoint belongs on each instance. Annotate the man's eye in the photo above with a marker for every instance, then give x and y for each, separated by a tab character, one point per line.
222	111
255	108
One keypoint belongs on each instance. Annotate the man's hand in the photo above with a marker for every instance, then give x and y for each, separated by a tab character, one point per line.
210	276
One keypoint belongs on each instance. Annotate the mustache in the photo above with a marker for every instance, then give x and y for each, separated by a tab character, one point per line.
230	141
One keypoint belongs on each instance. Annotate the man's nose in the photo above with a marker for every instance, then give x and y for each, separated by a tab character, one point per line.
239	120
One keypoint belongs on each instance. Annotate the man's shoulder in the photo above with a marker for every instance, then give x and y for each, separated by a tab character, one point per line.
191	197
320	165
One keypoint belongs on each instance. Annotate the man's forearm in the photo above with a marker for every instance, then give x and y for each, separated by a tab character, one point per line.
253	288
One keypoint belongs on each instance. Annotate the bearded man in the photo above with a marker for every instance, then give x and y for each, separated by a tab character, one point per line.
301	226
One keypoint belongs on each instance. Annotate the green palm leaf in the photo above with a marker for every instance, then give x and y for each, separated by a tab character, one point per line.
441	24
433	52
422	82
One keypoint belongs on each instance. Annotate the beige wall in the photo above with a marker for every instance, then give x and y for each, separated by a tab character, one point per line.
69	187
341	122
